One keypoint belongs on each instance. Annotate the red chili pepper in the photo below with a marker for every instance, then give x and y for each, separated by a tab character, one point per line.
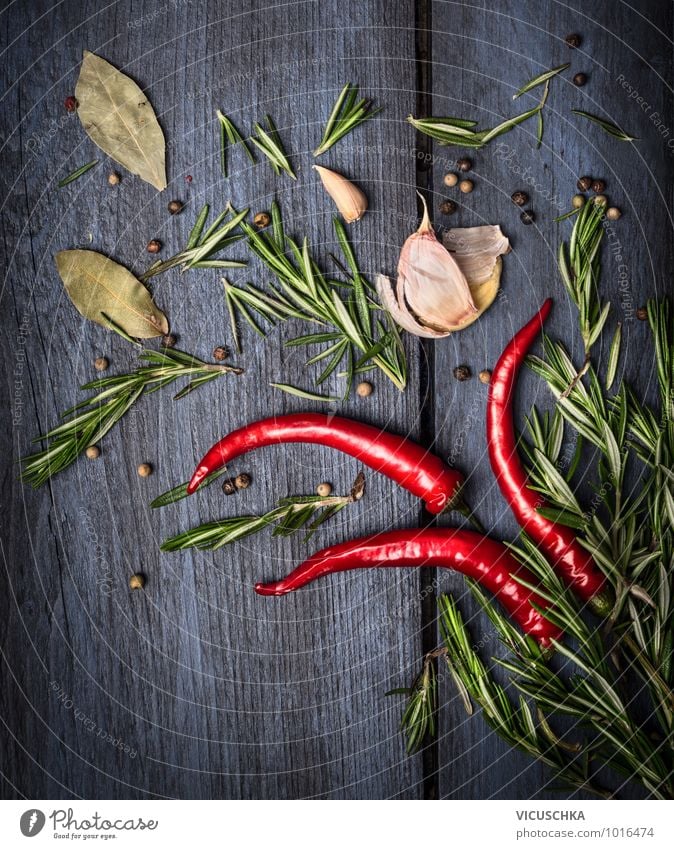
557	542
407	463
470	553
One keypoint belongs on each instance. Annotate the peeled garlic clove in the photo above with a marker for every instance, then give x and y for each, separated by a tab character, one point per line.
348	197
430	282
400	314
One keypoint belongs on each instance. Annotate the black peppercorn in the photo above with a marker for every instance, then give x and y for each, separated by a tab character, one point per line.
447	207
220	353
584	183
527	217
464	164
573	40
169	341
174	207
462	373
519	198
580	79
598	187
642	313
229	486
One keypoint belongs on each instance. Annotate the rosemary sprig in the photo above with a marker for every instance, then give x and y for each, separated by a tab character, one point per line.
77	173
540	79
347	114
350	321
88	422
202	247
269	143
606	126
293	514
230	134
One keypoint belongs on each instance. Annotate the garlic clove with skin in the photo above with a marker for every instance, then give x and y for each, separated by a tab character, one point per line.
348	197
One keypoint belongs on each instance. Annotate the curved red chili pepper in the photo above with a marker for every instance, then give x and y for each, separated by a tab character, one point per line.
470	553
407	463
557	542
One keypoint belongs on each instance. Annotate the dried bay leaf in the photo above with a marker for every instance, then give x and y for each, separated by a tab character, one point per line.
118	117
99	287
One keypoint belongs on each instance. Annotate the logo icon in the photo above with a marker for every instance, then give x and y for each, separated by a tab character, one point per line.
32	822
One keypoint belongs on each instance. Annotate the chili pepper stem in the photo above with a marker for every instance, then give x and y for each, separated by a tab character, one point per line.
462	507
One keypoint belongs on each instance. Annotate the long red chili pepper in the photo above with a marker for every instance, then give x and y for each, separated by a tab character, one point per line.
557	542
407	463
470	553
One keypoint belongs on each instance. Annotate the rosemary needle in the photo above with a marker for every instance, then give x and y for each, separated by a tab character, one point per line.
77	173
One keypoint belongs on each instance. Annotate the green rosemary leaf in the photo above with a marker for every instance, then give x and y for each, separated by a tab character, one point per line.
179	492
301	393
197	229
269	143
614	356
607	126
346	115
120	330
78	172
540	79
562	517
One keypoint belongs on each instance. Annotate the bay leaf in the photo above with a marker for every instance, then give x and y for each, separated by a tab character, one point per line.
119	118
99	287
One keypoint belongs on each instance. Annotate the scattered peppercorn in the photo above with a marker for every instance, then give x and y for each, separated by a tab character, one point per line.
485	375
242	481
153	246
101	363
580	79
519	198
642	313
220	353
114	179
598	187
93	452
464	164
262	219
323	489
584	183
364	389
447	207
600	200
169	341
175	206
577	201
137	581
144	470
450	179
613	213
462	373
573	40
70	103
229	486
466	186
188	178
527	217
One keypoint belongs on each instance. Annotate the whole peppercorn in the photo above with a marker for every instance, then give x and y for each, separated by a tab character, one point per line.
527	217
262	219
519	198
144	470
229	486
137	581
462	373
114	179
447	207
153	246
642	313
169	341
70	103
584	183
450	179
364	389
464	164
485	375
174	207
242	481
188	178
613	213
573	40
101	363
220	353
577	201
323	489
580	80
93	452
466	186
598	187
600	200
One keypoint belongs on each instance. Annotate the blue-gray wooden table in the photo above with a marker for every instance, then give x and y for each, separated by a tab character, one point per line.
196	686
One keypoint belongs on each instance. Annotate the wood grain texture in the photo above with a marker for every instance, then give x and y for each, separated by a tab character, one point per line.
214	691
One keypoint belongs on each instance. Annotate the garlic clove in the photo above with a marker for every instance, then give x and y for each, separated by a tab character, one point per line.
401	314
348	197
476	249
